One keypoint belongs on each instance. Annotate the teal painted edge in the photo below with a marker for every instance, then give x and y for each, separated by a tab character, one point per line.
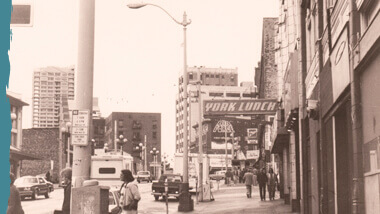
5	116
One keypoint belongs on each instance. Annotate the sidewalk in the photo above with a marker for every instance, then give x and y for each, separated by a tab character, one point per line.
233	199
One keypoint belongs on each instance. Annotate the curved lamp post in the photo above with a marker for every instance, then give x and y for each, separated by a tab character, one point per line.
142	149
185	202
154	152
121	140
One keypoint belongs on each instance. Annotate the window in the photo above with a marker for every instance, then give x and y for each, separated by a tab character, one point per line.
154	124
120	123
232	94
107	170
191	76
216	94
154	135
217	76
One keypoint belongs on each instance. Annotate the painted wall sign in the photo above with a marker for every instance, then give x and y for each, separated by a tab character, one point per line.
223	107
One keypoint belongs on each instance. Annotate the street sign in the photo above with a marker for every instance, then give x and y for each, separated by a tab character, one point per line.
80	121
253	154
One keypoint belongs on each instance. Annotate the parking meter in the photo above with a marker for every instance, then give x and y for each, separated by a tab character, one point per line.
166	193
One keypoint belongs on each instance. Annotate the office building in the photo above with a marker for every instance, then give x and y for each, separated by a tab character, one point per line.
50	86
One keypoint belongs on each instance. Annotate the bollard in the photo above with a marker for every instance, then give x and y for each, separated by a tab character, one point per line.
90	198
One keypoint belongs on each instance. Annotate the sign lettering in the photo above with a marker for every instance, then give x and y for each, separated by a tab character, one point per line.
222	107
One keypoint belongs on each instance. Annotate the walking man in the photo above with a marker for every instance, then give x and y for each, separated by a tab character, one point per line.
262	180
248	180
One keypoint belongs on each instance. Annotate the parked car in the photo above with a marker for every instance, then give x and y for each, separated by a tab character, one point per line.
50	184
219	175
31	186
143	176
174	183
113	202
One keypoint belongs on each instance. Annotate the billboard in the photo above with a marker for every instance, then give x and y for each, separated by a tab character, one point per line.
240	107
245	132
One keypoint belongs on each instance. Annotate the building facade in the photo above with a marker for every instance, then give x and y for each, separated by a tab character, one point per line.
50	86
337	50
16	153
43	143
139	129
216	83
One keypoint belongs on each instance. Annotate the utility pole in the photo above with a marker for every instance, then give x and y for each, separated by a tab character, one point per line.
200	141
84	87
145	159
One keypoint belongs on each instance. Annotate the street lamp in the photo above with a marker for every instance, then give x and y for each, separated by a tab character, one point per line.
154	152
120	141
68	125
185	202
142	149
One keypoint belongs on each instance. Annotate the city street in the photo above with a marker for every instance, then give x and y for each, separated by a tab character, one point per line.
228	199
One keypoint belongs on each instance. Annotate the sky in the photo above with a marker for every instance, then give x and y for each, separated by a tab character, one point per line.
138	54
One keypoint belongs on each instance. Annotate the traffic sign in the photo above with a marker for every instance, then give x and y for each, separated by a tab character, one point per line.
79	134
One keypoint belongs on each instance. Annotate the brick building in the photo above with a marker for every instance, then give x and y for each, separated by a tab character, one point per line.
135	127
42	143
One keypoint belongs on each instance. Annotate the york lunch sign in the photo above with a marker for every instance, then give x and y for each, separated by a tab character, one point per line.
257	106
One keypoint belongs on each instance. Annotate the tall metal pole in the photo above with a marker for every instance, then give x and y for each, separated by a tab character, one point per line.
200	142
145	159
60	152
185	103
225	141
115	134
68	149
84	87
185	198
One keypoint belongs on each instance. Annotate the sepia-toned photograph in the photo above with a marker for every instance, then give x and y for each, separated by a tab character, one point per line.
201	106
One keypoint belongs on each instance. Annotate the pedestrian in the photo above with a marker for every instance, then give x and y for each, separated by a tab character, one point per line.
66	175
129	193
241	175
254	177
248	180
14	200
228	177
262	180
47	176
272	180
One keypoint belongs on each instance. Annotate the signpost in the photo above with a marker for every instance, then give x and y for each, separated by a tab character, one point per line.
79	135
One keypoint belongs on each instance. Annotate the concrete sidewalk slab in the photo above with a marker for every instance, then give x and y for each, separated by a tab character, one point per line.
233	199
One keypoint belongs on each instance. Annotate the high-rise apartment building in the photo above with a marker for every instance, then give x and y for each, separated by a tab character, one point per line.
50	86
216	83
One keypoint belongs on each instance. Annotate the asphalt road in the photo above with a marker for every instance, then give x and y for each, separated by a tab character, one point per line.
44	205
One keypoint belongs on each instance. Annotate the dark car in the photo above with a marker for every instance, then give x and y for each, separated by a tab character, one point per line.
174	185
31	186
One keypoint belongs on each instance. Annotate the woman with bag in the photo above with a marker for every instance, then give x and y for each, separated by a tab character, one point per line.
129	193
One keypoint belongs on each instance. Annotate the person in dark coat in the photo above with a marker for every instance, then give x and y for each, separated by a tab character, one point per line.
66	175
262	179
47	175
14	201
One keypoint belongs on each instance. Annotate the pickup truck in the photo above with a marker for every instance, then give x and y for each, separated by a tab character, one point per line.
174	185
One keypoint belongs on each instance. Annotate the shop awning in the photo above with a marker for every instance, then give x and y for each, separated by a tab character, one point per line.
282	140
20	155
